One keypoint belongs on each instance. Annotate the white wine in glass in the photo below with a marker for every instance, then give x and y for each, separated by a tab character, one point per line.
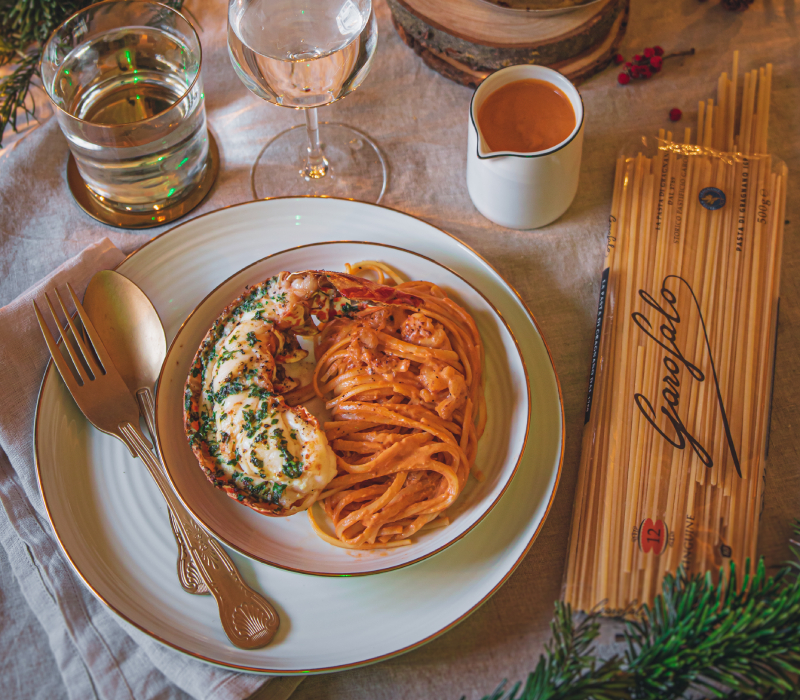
305	54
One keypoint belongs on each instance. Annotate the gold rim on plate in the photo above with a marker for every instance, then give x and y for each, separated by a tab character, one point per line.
381	657
187	504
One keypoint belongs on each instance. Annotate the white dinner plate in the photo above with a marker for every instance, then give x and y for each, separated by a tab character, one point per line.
113	527
291	543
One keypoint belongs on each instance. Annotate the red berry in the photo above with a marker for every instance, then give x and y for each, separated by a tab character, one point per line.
629	65
646	73
675	114
649	53
636	72
637	58
658	51
655	62
619	58
623	78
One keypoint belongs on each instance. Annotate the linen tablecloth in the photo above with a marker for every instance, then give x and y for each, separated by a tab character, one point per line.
420	121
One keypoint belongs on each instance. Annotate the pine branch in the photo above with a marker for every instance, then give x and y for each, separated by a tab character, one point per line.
568	670
744	638
14	89
732	640
24	27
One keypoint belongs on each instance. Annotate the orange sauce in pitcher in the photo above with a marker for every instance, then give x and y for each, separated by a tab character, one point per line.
526	116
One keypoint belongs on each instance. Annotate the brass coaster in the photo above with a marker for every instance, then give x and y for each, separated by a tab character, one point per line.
147	219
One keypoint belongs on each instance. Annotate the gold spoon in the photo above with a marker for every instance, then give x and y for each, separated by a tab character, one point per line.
131	331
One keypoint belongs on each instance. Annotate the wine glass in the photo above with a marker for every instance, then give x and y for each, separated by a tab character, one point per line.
305	54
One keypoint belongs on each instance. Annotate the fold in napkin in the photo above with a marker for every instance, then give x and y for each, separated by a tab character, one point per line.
98	654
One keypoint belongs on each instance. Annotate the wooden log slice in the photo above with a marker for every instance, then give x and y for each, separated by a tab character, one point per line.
541	5
578	52
492	43
484	24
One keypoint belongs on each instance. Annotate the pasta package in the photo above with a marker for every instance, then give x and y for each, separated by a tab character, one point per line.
677	415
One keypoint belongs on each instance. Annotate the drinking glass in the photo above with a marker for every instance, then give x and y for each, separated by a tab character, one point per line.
124	76
305	54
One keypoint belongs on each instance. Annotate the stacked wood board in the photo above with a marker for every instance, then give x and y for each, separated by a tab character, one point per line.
466	40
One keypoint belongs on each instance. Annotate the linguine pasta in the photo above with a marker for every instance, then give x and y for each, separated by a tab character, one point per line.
405	388
399	365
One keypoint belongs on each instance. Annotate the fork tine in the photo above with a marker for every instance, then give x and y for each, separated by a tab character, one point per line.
58	359
76	359
87	355
94	336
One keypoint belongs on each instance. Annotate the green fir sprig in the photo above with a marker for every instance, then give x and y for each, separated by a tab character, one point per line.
25	25
733	639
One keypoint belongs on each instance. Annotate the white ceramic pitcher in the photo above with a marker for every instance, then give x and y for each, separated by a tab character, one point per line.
524	190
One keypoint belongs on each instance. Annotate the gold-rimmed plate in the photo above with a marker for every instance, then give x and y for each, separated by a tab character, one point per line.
112	525
290	543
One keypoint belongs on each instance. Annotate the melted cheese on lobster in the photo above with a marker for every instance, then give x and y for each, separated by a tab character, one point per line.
266	454
271	449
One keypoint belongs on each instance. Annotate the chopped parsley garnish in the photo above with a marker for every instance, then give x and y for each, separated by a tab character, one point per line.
253	419
349	308
251	339
292	467
250	422
277	492
226	355
231	387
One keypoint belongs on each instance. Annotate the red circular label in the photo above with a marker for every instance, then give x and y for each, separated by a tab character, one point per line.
653	536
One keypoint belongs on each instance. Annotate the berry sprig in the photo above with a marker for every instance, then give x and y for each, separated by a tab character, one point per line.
645	65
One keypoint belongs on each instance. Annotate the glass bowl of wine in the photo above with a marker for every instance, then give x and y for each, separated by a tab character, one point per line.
304	54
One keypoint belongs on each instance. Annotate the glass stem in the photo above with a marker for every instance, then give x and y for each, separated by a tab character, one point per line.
316	165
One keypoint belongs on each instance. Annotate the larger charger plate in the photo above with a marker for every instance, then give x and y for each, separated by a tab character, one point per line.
113	527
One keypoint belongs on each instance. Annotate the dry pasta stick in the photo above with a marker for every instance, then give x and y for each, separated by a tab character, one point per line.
578	528
633	497
623	260
599	443
731	261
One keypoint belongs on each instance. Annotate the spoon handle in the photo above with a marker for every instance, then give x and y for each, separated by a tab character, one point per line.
188	575
248	618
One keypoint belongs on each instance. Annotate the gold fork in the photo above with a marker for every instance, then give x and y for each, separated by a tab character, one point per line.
101	393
